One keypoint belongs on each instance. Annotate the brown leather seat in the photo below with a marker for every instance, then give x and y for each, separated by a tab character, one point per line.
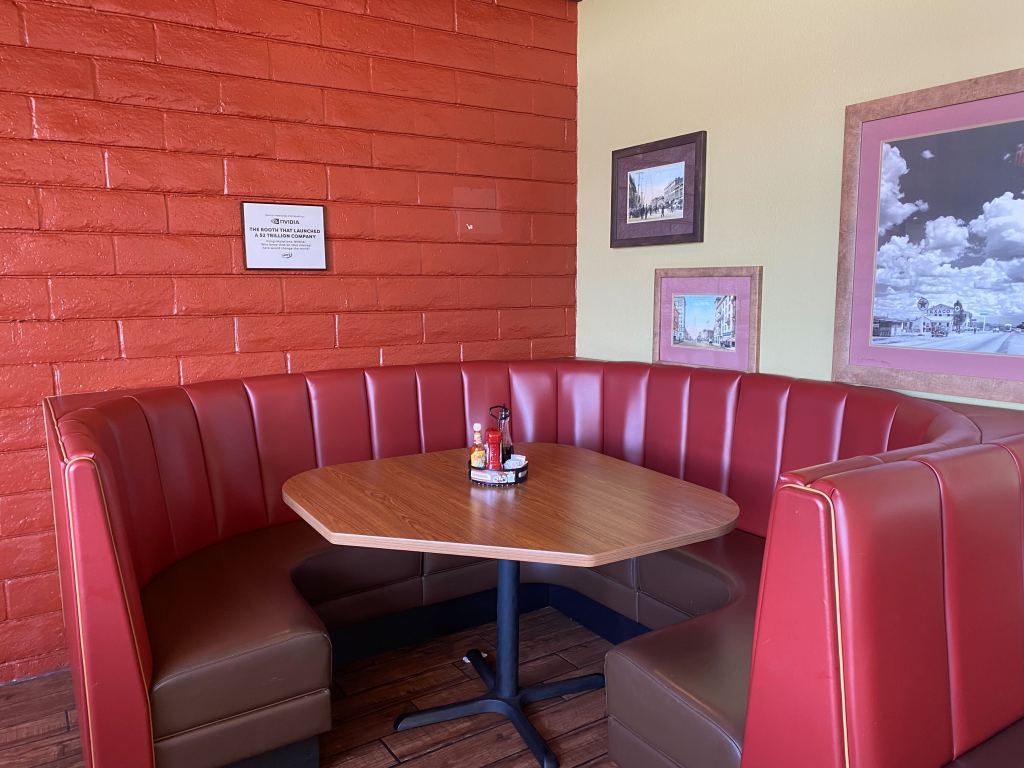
677	696
238	640
232	639
1004	750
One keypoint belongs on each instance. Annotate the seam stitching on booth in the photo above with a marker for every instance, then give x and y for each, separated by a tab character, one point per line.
839	618
299	697
56	428
841	420
889	427
78	613
49	414
156	463
87	719
259	453
653	748
317	452
218	524
947	629
695	708
290	638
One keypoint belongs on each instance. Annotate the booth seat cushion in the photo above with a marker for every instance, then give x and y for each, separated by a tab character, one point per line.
592	583
1004	749
682	690
349	585
702	577
230	634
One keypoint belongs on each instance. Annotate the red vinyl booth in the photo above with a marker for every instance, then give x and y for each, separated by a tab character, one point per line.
891	617
176	548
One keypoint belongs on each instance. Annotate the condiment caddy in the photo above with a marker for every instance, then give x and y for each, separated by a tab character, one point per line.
491	457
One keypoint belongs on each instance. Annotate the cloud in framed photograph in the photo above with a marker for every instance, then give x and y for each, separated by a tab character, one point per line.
949	259
704	321
656	193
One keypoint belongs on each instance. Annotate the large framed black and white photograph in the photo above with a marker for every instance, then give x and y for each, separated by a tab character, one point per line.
658	192
931	270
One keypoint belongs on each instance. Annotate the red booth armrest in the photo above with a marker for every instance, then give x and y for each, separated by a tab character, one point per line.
794	713
107	659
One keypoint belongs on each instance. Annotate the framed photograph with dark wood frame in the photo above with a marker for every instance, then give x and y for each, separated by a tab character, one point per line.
930	292
658	192
708	316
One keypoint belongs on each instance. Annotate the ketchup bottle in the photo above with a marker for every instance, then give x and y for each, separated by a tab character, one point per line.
500	414
492	439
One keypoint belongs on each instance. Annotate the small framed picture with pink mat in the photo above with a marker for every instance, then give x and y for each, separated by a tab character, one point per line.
708	316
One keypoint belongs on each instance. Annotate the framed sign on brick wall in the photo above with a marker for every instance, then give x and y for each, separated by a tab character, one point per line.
283	236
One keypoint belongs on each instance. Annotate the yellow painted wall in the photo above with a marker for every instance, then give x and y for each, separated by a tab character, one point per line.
769	82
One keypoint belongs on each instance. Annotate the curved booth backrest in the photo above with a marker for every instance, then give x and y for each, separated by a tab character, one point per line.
891	615
142	479
217	453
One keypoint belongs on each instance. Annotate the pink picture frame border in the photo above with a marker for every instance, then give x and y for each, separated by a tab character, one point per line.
743	282
994	98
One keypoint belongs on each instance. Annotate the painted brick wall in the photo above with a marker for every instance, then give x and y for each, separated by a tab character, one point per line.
440	134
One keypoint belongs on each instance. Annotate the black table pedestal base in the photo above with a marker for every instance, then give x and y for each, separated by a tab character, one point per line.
511	708
504	696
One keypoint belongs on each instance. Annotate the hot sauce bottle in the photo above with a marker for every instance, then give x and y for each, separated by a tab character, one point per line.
478	454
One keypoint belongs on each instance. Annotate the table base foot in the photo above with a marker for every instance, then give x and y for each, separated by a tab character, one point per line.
509	707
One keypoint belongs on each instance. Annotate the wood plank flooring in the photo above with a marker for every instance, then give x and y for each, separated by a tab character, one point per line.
38	725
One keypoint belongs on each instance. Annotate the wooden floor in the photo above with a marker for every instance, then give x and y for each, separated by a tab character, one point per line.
38	725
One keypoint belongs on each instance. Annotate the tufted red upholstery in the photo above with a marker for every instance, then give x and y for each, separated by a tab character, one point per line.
182	468
903	619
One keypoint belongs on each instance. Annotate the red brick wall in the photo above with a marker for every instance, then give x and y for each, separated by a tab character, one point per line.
440	134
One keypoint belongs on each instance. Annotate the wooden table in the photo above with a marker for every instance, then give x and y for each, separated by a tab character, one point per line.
578	508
